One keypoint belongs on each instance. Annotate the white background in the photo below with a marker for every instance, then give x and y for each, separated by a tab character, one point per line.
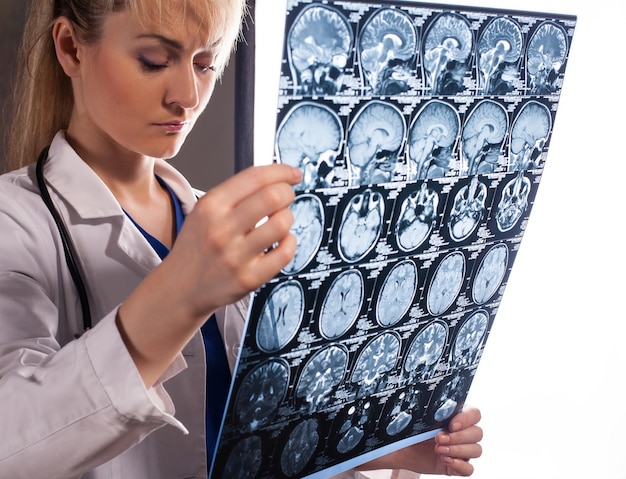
551	381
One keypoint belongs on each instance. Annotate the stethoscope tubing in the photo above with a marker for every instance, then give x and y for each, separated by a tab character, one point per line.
69	250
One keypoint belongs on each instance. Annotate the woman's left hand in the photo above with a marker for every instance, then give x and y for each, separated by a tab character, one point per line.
447	453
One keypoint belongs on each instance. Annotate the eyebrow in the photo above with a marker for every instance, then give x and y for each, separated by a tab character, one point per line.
173	43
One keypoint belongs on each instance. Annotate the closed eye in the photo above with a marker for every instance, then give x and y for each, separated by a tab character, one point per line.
150	66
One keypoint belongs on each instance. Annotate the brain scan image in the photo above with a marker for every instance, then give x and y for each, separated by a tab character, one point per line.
426	350
375	361
322	373
529	135
401	414
281	316
375	138
244	461
260	393
309	138
319	45
545	58
469	338
490	273
300	447
482	138
342	304
418	214
513	203
308	228
448	46
353	427
449	397
396	294
499	51
387	47
361	225
446	283
431	141
467	210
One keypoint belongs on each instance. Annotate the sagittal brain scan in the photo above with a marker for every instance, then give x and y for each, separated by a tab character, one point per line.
281	316
300	447
432	136
482	137
418	214
499	51
396	294
545	57
448	46
309	138
490	273
261	392
342	304
421	131
529	135
308	228
426	349
446	283
387	48
321	375
361	225
320	43
374	140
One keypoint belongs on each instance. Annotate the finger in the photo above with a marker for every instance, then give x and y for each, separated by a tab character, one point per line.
247	182
263	204
463	451
466	418
267	265
272	231
457	467
469	435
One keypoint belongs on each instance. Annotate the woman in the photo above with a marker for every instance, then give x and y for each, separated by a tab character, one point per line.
114	87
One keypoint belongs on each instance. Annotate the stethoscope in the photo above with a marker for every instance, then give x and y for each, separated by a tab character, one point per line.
66	239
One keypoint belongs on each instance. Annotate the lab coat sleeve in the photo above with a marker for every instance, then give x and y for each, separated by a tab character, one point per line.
67	409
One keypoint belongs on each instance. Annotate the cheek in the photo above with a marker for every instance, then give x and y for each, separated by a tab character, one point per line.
120	92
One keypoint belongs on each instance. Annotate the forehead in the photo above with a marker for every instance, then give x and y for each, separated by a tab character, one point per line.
204	19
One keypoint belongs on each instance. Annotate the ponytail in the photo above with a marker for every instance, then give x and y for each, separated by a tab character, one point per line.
42	98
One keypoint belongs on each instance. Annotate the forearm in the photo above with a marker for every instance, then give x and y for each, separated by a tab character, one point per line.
68	411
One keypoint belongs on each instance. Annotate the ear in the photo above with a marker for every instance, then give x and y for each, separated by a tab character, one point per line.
66	46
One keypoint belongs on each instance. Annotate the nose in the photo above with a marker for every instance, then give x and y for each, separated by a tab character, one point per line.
183	88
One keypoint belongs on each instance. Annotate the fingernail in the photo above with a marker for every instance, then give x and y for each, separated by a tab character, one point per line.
443	439
454	426
447	460
443	450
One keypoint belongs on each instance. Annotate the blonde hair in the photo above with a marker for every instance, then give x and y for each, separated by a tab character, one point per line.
43	100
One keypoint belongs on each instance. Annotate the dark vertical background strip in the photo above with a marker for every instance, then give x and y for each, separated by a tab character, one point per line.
244	94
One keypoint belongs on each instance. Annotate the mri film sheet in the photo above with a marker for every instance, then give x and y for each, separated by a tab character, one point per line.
422	132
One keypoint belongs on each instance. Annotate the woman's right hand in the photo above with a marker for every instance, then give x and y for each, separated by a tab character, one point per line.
235	239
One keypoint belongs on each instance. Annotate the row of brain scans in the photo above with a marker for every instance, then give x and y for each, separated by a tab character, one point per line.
381	145
361	224
392	51
343	297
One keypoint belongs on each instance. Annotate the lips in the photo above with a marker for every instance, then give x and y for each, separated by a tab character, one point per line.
173	126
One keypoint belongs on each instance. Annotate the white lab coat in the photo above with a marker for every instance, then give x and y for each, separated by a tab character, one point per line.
77	407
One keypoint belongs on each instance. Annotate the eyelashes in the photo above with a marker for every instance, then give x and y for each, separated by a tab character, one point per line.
152	67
